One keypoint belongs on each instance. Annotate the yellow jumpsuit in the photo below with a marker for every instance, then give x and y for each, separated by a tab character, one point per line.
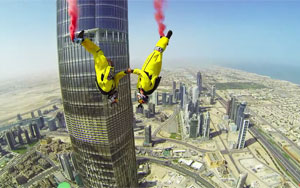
102	67
152	66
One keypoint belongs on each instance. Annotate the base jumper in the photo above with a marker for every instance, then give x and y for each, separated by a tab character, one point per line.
148	76
106	81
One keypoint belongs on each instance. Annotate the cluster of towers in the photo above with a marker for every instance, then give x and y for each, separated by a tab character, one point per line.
14	137
196	122
236	112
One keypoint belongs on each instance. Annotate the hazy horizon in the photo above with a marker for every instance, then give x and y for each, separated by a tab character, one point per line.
237	34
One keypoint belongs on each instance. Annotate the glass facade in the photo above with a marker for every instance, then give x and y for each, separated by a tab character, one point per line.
101	135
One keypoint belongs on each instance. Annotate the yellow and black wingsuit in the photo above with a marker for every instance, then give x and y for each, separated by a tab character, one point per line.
102	68
148	77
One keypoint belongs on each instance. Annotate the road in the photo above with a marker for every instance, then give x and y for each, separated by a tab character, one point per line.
180	169
41	176
277	154
166	122
279	132
179	142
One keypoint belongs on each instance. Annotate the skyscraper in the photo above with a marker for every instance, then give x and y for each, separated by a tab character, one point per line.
195	95
232	106
174	91
193	131
32	115
28	141
66	165
206	128
164	98
101	135
200	123
174	85
9	140
37	131
240	114
19	117
170	101
20	138
31	130
151	108
40	113
155	98
40	122
242	180
242	134
199	82
52	124
213	94
148	140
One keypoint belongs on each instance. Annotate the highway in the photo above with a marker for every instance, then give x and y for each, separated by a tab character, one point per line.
166	122
179	142
279	132
277	154
180	169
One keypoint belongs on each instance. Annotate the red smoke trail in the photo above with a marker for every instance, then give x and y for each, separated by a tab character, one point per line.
159	16
73	13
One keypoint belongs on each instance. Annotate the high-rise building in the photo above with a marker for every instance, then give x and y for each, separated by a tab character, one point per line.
193	130
182	94
28	141
195	95
66	165
164	98
13	136
135	96
148	140
32	115
213	94
155	98
31	130
199	82
60	119
242	180
242	134
21	141
101	134
181	90
19	117
200	123
170	101
228	107
233	107
147	113
40	113
40	122
173	91
185	99
37	131
9	140
240	114
174	85
52	124
206	128
151	108
139	110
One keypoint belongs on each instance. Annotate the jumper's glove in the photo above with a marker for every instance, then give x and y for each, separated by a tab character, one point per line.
79	38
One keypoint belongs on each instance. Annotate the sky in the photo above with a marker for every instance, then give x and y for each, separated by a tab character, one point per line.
219	32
